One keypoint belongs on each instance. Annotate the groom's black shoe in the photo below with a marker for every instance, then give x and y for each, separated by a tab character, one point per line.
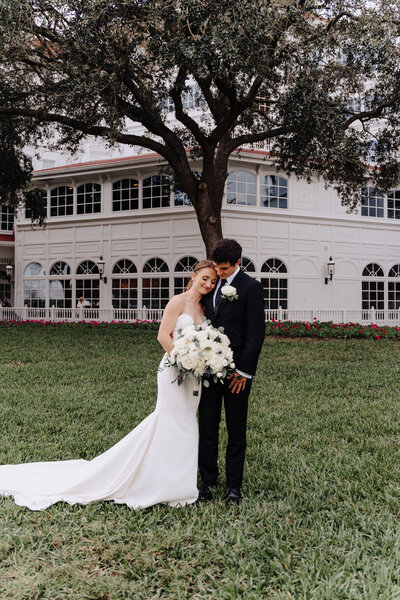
233	496
204	493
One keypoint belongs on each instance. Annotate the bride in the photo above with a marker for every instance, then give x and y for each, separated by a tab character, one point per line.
157	461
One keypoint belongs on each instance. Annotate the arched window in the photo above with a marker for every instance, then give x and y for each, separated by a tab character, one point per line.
6	218
34	286
126	194
60	268
247	265
371	202
274	265
372	287
60	285
88	198
88	286
274	191
184	265
124	284
275	284
156	191
372	270
241	188
61	201
34	269
155	289
87	267
155	265
394	288
393	204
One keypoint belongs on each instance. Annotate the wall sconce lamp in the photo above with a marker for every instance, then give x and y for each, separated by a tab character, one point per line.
100	264
330	267
9	272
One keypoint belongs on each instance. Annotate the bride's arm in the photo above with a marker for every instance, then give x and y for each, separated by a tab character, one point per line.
171	313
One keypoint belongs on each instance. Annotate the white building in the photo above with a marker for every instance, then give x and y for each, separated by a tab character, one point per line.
122	209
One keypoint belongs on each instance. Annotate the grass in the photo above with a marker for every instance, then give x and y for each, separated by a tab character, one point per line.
320	520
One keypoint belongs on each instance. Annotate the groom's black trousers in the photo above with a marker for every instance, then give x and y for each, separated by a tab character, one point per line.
236	419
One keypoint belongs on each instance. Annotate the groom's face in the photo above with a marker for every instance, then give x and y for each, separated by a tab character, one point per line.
225	269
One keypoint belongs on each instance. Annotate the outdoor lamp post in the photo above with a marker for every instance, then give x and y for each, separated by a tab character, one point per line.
100	264
9	271
330	267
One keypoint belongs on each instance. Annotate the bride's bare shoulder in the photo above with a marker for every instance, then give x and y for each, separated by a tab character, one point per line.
178	301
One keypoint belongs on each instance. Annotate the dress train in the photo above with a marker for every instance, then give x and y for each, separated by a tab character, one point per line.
155	463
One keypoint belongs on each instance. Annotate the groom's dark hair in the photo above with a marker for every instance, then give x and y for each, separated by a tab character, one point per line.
226	251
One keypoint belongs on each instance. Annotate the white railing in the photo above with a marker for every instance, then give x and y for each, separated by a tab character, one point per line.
336	315
79	314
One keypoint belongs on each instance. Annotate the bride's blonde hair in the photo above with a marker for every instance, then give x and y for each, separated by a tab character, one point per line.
202	264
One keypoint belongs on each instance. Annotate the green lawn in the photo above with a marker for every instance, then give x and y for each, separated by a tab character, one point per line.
321	515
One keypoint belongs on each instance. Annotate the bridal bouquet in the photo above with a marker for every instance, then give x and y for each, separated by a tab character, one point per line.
202	351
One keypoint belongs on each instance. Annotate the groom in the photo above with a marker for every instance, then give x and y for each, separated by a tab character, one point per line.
241	314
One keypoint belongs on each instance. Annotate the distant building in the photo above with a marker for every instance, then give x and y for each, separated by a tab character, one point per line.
123	209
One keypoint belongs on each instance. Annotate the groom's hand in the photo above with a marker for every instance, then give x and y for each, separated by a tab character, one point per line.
238	383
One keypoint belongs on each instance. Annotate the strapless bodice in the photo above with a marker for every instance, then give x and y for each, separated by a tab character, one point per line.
182	321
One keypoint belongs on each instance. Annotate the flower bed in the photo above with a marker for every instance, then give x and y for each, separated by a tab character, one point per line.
331	330
82	324
281	328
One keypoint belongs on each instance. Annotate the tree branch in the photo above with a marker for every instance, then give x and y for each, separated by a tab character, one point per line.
252	138
370	114
184	118
94	130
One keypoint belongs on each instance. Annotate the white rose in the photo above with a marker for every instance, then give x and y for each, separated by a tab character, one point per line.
208	346
188	361
216	364
228	291
180	345
202	335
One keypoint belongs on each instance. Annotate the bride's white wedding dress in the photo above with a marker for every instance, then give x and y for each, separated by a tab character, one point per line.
156	462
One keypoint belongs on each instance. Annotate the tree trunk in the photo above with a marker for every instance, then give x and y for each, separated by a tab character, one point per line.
208	213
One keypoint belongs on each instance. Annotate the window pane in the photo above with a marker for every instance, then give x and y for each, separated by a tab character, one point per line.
88	198
241	188
89	290
273	191
156	191
126	195
6	218
124	293
275	293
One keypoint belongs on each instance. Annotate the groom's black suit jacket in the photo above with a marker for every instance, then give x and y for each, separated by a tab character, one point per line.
243	321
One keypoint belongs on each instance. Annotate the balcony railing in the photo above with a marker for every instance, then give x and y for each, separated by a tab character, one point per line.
128	315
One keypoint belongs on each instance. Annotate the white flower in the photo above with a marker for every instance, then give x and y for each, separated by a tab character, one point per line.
201	351
188	361
228	290
216	363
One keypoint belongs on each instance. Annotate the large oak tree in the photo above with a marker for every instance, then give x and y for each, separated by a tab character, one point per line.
286	71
